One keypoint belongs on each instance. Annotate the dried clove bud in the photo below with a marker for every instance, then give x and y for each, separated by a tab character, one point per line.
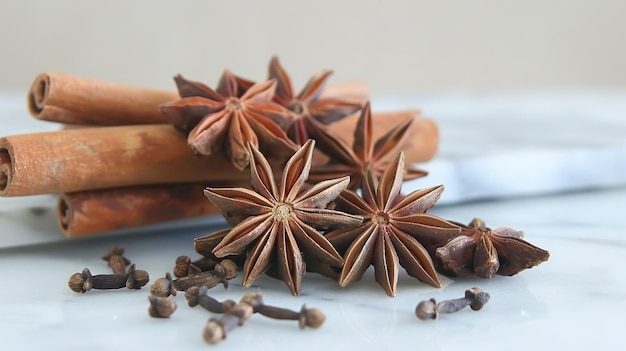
116	260
475	297
217	329
237	314
426	309
197	296
185	267
483	252
224	271
161	307
313	318
163	287
85	281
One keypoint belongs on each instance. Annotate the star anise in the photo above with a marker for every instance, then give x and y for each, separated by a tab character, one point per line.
277	225
307	105
484	252
204	245
228	118
393	231
365	154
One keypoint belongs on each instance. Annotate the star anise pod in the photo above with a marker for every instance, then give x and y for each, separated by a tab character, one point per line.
277	225
393	231
365	154
204	245
307	105
483	252
228	118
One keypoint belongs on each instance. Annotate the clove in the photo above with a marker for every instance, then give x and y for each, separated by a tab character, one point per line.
235	314
197	296
312	318
476	298
223	271
184	266
161	307
85	281
217	329
116	260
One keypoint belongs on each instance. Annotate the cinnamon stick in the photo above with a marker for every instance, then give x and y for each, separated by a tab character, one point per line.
89	212
106	157
69	99
74	100
110	157
351	91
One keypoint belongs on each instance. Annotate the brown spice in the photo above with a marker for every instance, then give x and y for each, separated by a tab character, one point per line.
204	245
161	307
235	314
483	252
365	154
75	100
222	272
475	297
116	260
85	281
308	104
280	221
393	231
197	296
185	267
226	121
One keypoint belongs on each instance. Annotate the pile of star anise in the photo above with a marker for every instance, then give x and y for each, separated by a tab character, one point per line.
312	217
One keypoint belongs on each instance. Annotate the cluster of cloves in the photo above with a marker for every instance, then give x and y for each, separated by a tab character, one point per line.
201	273
131	279
235	314
195	278
184	266
220	274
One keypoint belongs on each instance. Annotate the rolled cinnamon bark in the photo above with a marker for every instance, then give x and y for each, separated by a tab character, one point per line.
110	157
107	157
90	212
75	100
351	91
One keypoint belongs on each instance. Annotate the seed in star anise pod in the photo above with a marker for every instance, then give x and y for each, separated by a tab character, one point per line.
483	252
393	231
277	225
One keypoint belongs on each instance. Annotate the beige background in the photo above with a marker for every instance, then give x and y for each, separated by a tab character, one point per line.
392	45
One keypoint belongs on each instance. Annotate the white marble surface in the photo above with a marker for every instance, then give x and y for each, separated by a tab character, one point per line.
574	301
573	208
